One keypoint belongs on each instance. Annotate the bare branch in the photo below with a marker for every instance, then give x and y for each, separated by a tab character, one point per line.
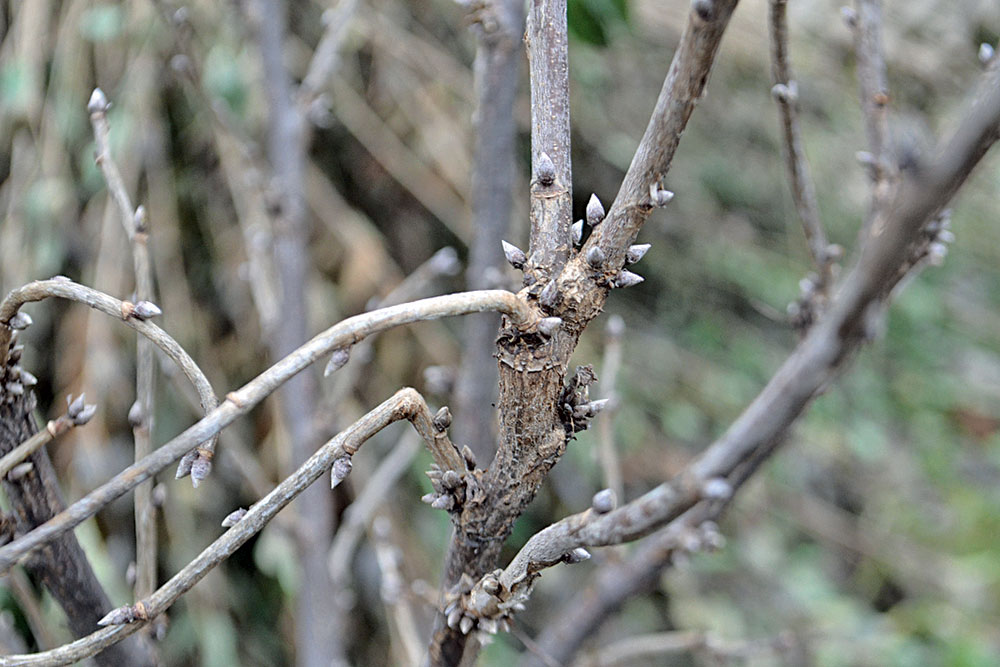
785	93
124	310
761	427
53	429
682	89
241	401
551	184
133	617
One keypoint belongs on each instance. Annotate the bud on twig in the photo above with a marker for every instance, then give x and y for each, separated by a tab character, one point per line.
201	467
717	488
658	196
577	555
233	518
785	93
74	406
986	53
84	415
145	310
604	501
27	379
547	326
849	16
545	170
595	211
636	252
469	456
595	257
576	231
98	102
514	255
19	321
337	361
341	469
626	278
442	419
135	415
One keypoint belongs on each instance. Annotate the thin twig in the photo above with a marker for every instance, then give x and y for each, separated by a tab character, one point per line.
402	623
551	172
683	87
816	360
785	93
402	405
356	517
873	86
135	222
53	429
607	451
241	401
123	310
326	57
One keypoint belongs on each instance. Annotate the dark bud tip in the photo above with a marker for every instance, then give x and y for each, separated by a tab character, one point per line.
545	170
442	419
636	252
515	256
705	9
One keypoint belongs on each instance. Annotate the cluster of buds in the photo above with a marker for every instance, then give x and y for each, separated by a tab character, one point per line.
577	408
15	381
452	488
483	605
197	463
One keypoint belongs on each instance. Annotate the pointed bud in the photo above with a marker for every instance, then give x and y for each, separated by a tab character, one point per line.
451	480
442	419
454	617
85	415
233	518
98	102
658	196
785	93
337	361
936	254
469	456
341	469
443	502
595	257
986	53
19	321
74	406
548	326
29	380
140	219
135	415
604	501
488	625
445	262
184	465
549	295
15	389
595	211
119	616
577	555
626	278
201	467
20	471
636	252
576	231
145	310
515	256
545	170
717	488
15	354
428	498
465	625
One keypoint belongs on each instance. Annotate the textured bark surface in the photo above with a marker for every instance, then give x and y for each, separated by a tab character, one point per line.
61	566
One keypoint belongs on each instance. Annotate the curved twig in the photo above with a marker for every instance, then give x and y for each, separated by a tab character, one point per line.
127	620
240	402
